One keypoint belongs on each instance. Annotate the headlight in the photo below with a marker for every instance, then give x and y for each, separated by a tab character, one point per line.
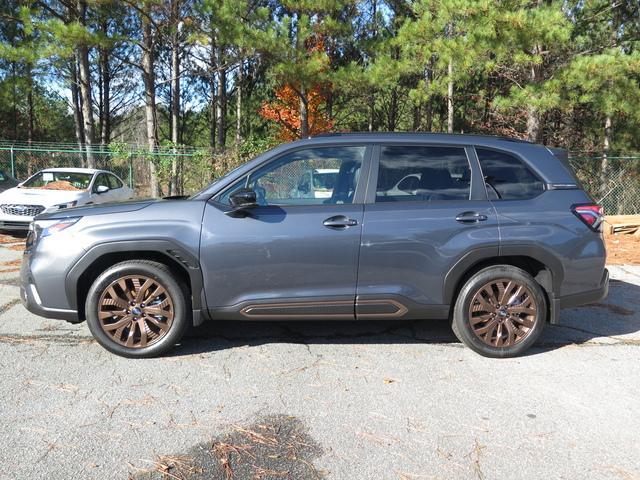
49	227
66	205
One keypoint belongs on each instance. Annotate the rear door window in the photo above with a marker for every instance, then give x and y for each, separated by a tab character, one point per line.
507	177
419	173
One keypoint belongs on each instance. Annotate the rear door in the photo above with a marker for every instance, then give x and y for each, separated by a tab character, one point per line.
426	209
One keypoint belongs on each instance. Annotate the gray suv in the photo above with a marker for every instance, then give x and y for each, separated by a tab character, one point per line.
494	234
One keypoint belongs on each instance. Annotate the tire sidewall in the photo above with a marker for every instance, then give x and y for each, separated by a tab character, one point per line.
460	321
156	271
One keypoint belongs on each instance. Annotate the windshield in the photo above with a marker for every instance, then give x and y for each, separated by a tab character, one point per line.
59	181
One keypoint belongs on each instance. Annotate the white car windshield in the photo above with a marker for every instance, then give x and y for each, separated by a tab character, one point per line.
59	181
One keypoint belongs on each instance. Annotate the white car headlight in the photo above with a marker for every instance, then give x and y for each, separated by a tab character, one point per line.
50	227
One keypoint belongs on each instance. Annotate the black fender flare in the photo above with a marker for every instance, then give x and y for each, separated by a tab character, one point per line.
179	255
473	257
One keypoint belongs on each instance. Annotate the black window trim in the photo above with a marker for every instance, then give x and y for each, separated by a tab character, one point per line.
358	198
531	168
477	190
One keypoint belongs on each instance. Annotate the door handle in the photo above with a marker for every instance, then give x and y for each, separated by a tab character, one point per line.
470	217
339	221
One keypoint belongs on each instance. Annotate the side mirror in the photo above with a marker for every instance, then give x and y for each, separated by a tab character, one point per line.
102	189
241	201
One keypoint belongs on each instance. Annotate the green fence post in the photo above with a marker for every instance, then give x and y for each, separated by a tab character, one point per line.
13	164
130	173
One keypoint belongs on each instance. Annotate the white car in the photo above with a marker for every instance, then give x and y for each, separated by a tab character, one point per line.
57	188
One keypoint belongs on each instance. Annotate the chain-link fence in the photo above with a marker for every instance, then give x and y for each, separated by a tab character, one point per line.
614	182
177	171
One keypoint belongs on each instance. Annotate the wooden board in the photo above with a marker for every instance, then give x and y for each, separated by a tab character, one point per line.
625	224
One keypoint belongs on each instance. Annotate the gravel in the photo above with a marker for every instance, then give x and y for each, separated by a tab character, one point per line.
388	400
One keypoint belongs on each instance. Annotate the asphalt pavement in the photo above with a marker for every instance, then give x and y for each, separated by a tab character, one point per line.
368	400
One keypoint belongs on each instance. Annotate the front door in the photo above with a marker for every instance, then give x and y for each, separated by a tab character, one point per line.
296	254
429	210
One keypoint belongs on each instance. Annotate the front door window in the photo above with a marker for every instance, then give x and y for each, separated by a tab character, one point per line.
313	176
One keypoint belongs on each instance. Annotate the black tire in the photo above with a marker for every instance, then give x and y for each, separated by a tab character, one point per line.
175	293
477	325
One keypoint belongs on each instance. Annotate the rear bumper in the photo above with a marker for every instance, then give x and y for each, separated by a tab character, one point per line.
590	296
582	298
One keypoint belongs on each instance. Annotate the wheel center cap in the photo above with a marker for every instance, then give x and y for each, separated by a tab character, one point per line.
503	312
136	311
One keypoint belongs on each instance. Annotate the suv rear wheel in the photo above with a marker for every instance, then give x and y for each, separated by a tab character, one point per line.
500	312
137	308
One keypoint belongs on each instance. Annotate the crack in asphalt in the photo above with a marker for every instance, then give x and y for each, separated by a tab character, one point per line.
10	304
15	339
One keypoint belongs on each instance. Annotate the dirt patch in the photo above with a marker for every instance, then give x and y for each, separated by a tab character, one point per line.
275	447
617	309
11	263
7	239
623	249
58	185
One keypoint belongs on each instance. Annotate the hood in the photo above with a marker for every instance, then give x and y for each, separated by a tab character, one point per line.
38	196
98	209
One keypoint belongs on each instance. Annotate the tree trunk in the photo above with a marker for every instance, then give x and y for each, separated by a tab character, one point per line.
214	98
304	114
239	79
77	111
85	89
416	118
14	100
221	109
105	73
30	113
534	117
392	119
604	163
450	98
148	77
428	78
175	92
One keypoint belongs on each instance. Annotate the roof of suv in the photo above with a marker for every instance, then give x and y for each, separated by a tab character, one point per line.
421	136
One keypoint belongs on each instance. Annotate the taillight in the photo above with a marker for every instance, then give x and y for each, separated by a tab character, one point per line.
590	213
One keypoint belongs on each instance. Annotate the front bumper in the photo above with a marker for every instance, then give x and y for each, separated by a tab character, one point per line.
21	225
31	298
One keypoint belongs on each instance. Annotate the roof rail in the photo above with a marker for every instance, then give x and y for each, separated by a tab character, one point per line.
346	134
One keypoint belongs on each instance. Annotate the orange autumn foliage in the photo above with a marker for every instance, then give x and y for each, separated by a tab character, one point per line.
285	111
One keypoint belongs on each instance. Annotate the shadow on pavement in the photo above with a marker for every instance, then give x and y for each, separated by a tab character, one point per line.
617	315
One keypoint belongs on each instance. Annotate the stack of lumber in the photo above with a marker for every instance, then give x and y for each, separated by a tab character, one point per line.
629	224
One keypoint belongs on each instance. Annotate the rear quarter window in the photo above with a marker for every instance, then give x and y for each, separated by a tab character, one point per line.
507	177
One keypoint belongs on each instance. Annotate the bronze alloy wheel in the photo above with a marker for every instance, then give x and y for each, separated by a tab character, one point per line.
135	311
502	313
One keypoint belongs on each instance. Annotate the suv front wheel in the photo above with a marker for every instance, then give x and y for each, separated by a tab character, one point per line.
500	312
138	309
